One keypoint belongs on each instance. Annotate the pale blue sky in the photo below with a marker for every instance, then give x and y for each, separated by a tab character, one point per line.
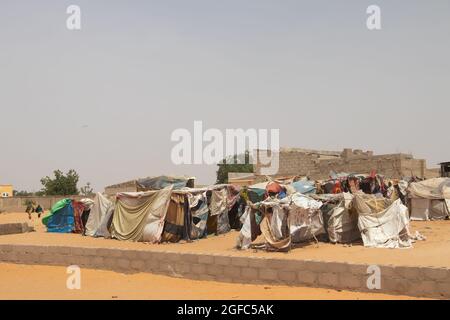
140	69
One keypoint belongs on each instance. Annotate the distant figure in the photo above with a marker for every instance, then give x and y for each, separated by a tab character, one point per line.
29	210
39	210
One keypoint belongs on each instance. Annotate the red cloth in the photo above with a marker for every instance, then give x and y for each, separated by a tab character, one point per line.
273	187
78	209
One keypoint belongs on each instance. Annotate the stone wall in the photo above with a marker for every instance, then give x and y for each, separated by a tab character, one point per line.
402	280
17	204
318	164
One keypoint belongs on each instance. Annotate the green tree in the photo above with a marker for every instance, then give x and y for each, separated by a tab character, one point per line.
21	193
236	163
61	184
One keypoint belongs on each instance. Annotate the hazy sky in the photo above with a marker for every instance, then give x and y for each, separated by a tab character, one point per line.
104	100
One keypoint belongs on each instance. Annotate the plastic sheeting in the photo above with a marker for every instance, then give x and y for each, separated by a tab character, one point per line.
158	183
342	224
304	187
387	228
139	216
199	212
98	211
104	228
427	209
305	218
437	188
61	218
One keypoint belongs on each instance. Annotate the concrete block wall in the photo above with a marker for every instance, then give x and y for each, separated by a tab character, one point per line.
412	281
13	228
17	204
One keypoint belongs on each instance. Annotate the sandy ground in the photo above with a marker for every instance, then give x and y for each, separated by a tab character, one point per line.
435	251
49	282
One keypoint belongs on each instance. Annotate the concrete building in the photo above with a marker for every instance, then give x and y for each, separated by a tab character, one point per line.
318	164
6	190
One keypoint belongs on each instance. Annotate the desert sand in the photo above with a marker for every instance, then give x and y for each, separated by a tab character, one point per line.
49	282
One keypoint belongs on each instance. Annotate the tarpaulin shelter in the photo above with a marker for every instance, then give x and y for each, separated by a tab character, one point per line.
304	186
340	221
61	217
430	199
161	182
383	224
139	216
305	218
98	211
87	203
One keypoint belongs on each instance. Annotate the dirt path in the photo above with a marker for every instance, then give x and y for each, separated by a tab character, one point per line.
49	282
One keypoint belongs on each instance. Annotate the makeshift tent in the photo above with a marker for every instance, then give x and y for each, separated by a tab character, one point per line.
98	212
305	218
104	228
174	225
198	206
430	199
218	208
382	224
87	203
341	223
60	218
139	216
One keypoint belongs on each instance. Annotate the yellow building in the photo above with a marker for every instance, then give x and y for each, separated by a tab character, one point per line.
6	190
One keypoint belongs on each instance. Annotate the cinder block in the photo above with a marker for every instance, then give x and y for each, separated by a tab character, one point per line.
232	272
411	273
130	254
205	259
357	269
287	276
239	261
98	262
123	263
276	263
249	273
258	263
222	260
206	277
198	269
138	265
189	258
351	281
182	267
328	279
423	288
294	265
268	274
436	273
151	265
215	270
307	277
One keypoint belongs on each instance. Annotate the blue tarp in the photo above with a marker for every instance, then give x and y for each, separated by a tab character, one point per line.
62	221
304	186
